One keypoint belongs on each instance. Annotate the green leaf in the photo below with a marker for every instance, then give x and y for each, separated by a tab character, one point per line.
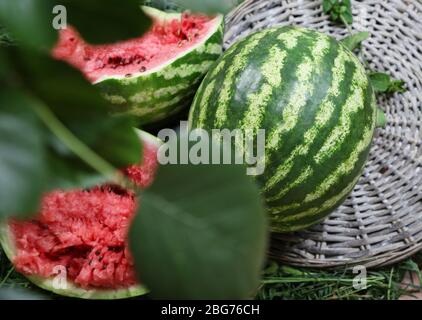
347	4
346	17
207	6
29	21
8	76
382	82
79	106
22	165
99	21
396	86
4	68
69	172
327	5
353	41
338	10
200	233
105	21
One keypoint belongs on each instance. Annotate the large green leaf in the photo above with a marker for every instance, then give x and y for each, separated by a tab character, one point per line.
22	165
4	68
79	106
100	21
104	21
200	233
30	21
67	171
167	5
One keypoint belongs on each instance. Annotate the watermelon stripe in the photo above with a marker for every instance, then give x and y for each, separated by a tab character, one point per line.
185	70
184	89
210	48
291	111
342	170
257	101
218	67
161	106
239	62
172	110
353	104
291	37
115	99
298	194
204	103
322	119
154	95
305	86
326	205
302	177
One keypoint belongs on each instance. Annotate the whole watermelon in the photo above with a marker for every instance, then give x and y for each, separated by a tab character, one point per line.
315	102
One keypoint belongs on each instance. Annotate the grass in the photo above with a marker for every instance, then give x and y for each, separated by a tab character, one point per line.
9	278
286	283
282	282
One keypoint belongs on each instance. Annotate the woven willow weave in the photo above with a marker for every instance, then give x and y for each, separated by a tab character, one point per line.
381	221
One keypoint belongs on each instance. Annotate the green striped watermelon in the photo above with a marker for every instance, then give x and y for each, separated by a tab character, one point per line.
156	75
313	98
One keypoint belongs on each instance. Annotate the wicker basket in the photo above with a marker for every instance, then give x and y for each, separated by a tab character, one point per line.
381	221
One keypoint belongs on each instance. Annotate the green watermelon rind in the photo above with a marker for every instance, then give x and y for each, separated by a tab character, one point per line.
145	136
7	243
165	90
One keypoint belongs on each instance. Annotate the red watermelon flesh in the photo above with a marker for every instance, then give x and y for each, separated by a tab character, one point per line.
164	42
84	231
143	175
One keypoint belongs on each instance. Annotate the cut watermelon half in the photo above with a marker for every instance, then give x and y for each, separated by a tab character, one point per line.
77	244
156	75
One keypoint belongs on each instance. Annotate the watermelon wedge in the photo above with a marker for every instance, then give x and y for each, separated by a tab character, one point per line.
76	245
154	76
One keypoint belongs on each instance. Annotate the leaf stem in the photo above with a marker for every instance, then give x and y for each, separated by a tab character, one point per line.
390	283
348	27
74	143
381	118
7	276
